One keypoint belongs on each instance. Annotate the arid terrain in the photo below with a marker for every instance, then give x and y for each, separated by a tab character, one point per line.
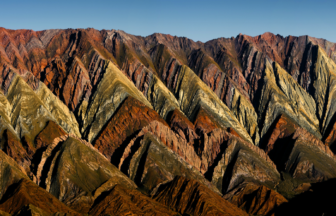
108	123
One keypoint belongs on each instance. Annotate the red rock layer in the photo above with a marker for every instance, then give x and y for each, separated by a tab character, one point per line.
190	197
284	127
170	139
254	199
22	154
26	192
223	84
122	201
331	137
131	117
283	136
204	122
48	134
182	126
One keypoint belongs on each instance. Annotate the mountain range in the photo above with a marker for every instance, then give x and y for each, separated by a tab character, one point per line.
108	123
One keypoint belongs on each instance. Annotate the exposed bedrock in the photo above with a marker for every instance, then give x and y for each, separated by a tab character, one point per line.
191	197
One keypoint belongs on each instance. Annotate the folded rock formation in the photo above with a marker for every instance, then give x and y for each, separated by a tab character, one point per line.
105	122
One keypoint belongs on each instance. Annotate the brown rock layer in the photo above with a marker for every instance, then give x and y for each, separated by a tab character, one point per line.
182	126
22	154
123	201
131	117
190	197
26	192
48	134
254	199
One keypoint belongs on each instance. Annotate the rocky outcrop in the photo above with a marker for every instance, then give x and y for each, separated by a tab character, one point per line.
149	163
200	95
131	116
10	172
324	89
310	160
48	134
205	122
5	113
243	116
181	125
30	109
255	199
22	154
28	114
226	89
282	95
62	115
169	139
111	92
26	193
296	151
64	165
123	201
190	197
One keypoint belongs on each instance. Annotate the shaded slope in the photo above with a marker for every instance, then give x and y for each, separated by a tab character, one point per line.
123	201
71	170
131	116
26	192
190	197
255	199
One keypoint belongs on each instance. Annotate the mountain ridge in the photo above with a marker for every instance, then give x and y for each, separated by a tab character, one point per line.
142	114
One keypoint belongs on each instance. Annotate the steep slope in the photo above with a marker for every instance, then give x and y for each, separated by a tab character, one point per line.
150	163
200	95
25	193
111	91
190	197
231	93
10	172
281	94
22	153
241	117
136	63
123	201
131	116
67	162
256	200
30	108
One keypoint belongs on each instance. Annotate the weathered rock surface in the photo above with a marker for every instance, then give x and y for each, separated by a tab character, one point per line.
310	160
181	125
168	138
10	172
205	122
190	197
111	92
228	160
22	154
282	95
131	116
48	134
296	151
123	201
231	113
255	199
64	166
26	193
29	109
192	93
150	163
226	89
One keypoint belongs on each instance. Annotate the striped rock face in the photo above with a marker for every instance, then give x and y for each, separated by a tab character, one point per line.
105	122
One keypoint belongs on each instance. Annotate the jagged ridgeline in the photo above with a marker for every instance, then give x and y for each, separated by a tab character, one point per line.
104	122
